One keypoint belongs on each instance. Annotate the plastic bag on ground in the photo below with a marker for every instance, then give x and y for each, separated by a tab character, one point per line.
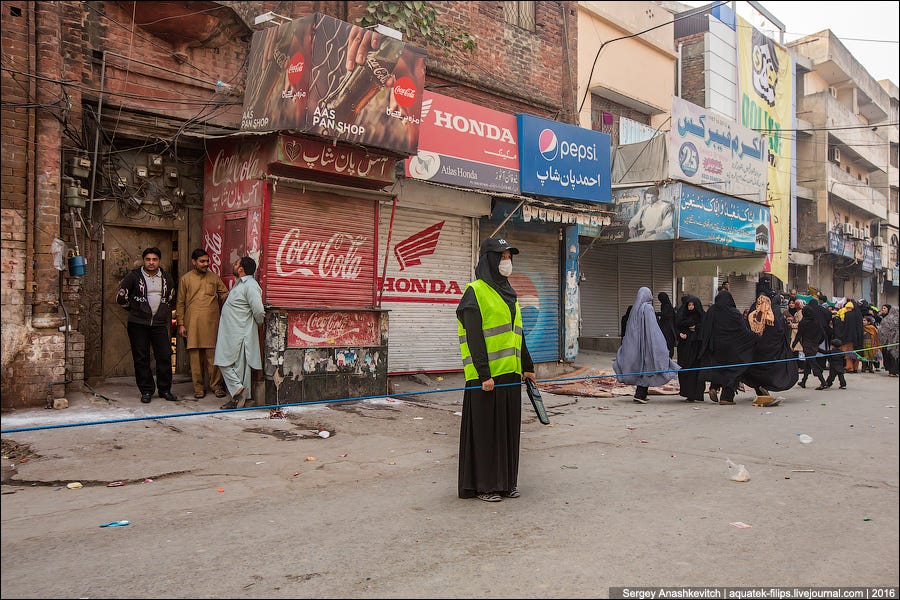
741	473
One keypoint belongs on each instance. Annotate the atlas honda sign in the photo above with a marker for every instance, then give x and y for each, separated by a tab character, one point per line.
564	161
466	145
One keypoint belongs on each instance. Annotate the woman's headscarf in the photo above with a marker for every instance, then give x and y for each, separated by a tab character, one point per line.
488	270
762	316
842	312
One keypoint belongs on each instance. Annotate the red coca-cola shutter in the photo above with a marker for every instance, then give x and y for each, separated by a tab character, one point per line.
320	250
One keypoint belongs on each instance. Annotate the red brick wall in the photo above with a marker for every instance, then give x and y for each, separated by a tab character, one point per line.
693	81
512	69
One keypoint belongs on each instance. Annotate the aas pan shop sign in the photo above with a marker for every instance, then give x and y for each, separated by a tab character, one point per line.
563	161
336	80
317	155
466	145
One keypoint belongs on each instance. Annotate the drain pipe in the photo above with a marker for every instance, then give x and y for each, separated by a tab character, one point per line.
97	137
65	329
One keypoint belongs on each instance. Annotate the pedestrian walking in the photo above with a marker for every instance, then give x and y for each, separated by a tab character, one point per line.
643	358
887	334
836	365
810	336
495	361
237	342
148	294
201	294
848	326
687	323
871	342
726	348
666	318
774	367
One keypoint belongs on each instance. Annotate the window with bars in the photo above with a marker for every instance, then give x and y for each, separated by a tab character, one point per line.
520	14
606	115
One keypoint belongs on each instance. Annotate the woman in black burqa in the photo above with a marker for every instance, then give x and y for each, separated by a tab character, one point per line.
492	407
810	337
776	368
726	346
687	324
666	319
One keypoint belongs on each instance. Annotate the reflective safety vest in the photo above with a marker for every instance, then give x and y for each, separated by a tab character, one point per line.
502	337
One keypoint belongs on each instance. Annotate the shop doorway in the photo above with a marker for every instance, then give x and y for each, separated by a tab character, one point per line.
123	247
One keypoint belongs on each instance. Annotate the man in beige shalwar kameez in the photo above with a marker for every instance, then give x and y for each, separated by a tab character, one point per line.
200	296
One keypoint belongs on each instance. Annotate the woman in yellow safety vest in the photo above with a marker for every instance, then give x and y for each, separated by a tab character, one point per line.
495	361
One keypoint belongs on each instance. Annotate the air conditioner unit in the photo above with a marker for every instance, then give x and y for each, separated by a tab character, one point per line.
833	92
834	154
878	241
860	233
847	229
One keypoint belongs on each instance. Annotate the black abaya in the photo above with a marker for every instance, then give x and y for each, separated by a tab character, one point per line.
687	322
725	339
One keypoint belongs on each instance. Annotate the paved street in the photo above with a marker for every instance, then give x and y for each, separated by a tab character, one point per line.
613	494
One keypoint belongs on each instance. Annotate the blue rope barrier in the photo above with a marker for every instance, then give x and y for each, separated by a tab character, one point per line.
405	394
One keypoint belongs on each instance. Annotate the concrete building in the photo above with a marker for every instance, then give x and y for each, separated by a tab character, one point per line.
846	167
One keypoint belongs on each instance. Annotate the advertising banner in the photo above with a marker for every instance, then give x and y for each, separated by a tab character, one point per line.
233	172
321	328
722	220
336	80
641	213
765	71
466	145
563	161
707	149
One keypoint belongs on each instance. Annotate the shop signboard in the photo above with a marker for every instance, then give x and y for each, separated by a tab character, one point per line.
563	161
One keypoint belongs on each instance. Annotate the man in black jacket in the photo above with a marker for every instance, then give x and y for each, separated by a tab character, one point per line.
148	294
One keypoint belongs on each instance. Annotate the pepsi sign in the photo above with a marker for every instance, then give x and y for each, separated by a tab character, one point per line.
563	161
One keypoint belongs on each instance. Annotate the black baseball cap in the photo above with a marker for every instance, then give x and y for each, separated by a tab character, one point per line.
497	244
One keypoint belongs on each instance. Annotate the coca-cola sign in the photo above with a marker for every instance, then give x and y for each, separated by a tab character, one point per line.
336	258
320	251
317	329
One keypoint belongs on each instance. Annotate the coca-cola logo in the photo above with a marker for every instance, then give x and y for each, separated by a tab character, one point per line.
337	258
405	92
230	168
295	68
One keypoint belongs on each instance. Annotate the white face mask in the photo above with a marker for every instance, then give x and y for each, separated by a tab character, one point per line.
505	267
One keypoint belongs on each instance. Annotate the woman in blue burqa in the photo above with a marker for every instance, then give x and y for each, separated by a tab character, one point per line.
643	358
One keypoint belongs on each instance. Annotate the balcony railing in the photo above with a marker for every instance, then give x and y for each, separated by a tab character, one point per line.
856	192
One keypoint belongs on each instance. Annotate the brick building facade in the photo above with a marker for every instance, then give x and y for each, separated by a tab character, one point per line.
129	85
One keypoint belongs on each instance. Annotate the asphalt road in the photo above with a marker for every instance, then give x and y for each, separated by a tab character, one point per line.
613	494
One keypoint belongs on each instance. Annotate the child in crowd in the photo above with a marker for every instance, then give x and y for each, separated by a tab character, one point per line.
836	367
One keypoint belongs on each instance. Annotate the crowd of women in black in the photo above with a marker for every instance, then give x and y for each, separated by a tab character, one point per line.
778	342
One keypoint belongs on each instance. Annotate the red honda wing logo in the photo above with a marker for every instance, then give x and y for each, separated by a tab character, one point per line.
410	251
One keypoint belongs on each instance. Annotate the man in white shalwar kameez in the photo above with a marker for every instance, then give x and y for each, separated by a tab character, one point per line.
237	345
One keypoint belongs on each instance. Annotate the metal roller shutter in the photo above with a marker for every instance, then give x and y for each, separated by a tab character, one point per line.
635	272
663	271
321	251
743	292
599	295
536	281
429	263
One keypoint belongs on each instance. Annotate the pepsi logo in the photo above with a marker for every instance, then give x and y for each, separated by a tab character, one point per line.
548	145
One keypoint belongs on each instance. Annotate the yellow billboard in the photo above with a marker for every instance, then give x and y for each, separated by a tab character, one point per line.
767	97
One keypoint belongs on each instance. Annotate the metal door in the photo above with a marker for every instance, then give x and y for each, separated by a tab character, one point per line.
123	246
